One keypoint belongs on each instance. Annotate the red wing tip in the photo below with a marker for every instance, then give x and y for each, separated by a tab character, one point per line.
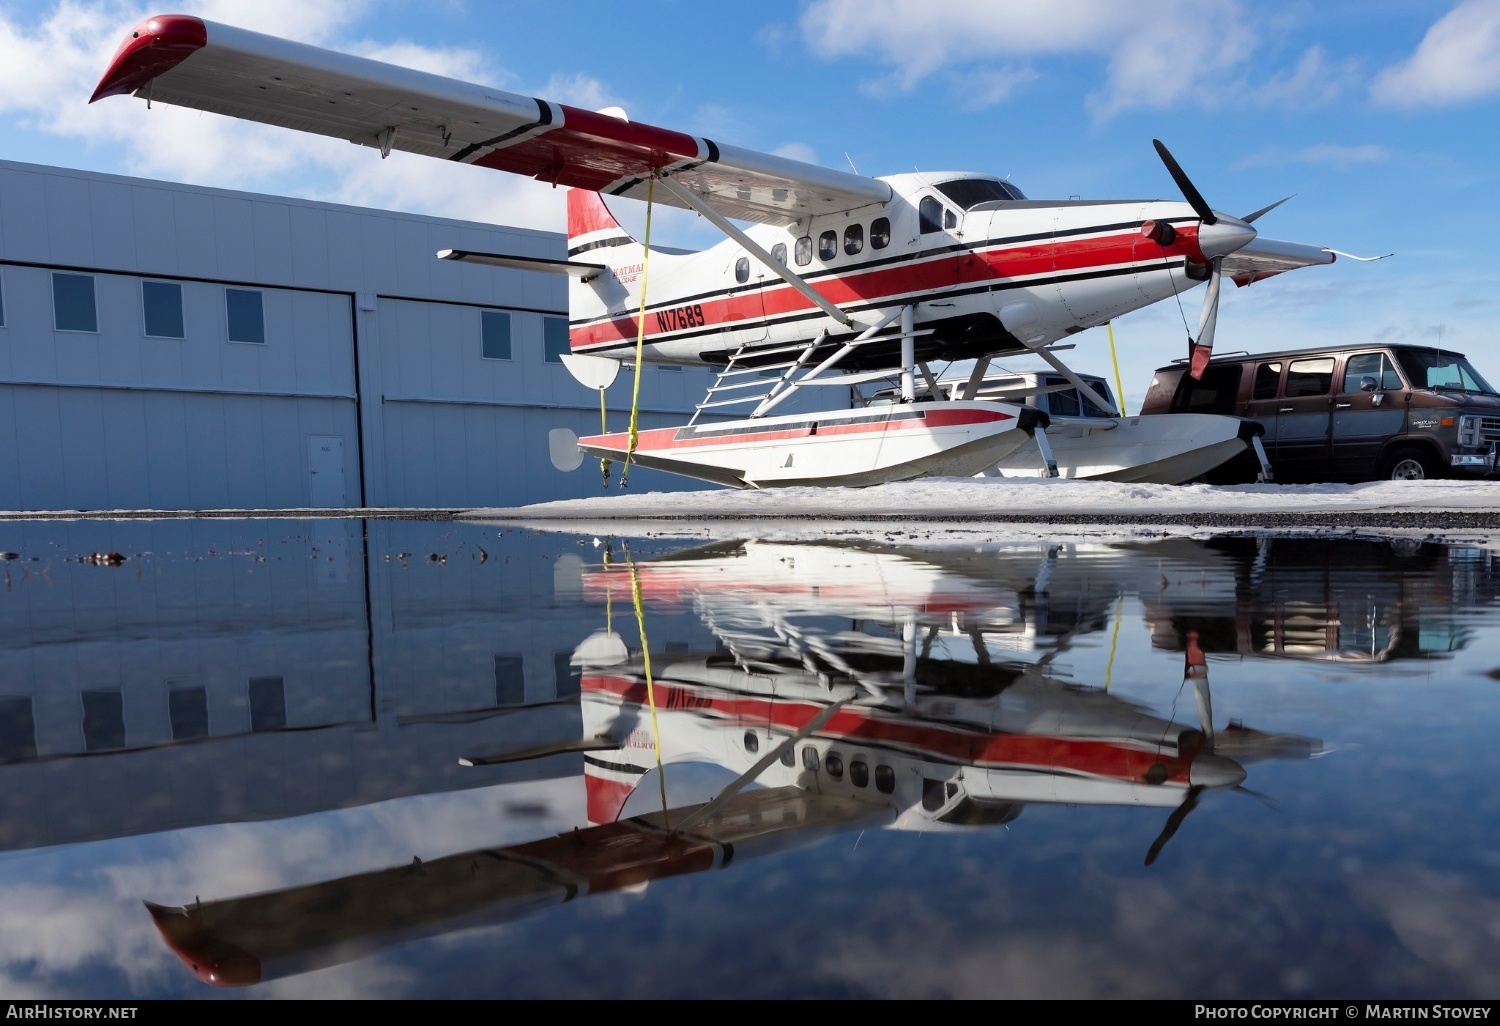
154	47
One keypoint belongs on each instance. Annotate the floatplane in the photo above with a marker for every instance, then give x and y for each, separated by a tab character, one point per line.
849	688
841	278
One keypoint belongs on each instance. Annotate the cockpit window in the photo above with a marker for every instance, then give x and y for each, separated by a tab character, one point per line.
970	192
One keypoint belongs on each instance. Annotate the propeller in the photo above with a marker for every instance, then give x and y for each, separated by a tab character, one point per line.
1233	234
1191	744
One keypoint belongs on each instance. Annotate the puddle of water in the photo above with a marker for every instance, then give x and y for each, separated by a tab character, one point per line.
417	759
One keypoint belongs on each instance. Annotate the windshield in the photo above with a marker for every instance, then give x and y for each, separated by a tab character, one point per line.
1431	368
970	192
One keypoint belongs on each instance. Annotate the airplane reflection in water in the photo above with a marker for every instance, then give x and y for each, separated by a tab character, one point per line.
853	687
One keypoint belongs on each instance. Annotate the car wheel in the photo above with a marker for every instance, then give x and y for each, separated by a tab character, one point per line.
1410	464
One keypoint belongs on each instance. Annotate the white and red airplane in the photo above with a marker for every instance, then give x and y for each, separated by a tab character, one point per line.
836	728
842	279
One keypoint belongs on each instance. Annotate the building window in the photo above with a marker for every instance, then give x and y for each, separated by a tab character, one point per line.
267	703
880	233
565	674
247	317
854	239
103	720
161	304
188	710
494	333
510	679
73	302
17	730
554	339
828	245
803	253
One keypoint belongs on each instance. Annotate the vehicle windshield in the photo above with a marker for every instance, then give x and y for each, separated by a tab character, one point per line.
970	192
1436	369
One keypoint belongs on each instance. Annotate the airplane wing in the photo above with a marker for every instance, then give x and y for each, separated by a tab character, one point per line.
1261	258
182	60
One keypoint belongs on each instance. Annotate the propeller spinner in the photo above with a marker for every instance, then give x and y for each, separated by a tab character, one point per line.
1218	236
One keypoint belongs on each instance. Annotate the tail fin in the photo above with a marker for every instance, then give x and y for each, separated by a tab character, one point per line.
590	224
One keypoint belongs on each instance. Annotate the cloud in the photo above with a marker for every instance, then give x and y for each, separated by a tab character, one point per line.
1157	55
1315	80
50	65
1457	61
1341	158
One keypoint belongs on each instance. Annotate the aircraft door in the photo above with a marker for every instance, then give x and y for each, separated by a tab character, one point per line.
1366	412
745	304
1302	420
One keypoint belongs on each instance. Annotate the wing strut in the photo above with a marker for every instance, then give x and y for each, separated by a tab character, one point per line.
1073	379
785	273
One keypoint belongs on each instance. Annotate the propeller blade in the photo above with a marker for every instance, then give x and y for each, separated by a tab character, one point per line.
1264	799
1173	822
1185	185
1248	218
1201	349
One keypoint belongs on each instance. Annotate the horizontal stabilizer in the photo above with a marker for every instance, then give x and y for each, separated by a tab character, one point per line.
582	271
583	744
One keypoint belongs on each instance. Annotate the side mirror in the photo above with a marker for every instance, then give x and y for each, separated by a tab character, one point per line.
1368	384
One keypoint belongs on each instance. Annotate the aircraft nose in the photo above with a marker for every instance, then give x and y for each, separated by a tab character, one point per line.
1223	237
1215	771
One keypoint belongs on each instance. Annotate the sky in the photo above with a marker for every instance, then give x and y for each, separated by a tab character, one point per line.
1376	116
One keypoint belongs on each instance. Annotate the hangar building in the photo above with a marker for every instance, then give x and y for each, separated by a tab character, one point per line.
170	347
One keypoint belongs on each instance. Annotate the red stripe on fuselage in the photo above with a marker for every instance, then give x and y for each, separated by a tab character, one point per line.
1121	760
930	276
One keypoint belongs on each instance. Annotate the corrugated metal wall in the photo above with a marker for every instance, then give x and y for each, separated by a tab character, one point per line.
370	389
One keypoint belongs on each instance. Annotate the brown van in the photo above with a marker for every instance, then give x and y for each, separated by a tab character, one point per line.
1351	413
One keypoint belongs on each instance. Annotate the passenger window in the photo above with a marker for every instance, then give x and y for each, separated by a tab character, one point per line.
859	773
810	759
1267	377
950	219
930	215
1370	365
803	253
834	764
880	233
788	756
1309	377
828	245
778	253
742	269
885	779
854	239
752	743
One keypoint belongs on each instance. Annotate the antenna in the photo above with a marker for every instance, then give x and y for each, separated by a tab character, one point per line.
851	162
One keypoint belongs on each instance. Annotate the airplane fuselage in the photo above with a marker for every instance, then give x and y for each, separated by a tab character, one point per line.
993	276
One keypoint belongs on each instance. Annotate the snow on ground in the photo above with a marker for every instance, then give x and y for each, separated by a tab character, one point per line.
1011	497
958	508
